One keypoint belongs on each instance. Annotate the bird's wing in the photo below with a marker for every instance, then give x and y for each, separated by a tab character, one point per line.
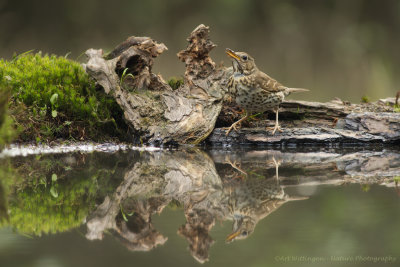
268	84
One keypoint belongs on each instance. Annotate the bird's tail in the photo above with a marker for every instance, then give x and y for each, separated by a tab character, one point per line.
296	90
296	198
288	91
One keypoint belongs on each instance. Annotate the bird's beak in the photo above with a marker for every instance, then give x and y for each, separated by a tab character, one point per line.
232	236
232	54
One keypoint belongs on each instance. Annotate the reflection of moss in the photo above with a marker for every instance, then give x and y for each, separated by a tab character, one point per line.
41	202
3	197
175	205
7	176
36	210
365	187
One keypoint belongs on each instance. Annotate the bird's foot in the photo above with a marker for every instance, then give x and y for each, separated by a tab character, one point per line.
233	126
276	128
277	163
236	166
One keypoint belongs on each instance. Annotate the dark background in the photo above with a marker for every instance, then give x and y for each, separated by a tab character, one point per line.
339	48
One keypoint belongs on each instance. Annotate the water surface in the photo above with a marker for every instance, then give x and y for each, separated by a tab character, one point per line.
187	207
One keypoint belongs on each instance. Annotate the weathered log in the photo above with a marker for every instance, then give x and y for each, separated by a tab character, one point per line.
160	115
333	123
156	113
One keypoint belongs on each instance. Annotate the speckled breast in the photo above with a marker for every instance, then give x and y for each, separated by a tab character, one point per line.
257	100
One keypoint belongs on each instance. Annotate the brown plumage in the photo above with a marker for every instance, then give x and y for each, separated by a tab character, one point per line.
254	199
254	90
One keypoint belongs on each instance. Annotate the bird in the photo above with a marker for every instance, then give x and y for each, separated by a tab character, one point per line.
254	90
251	201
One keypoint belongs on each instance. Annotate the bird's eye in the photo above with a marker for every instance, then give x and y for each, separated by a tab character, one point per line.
244	233
244	57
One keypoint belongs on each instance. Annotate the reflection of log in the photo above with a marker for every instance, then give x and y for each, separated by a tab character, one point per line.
317	168
140	237
155	180
110	215
196	231
138	233
245	194
190	178
370	167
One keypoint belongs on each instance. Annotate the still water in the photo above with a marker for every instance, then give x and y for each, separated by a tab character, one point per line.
190	207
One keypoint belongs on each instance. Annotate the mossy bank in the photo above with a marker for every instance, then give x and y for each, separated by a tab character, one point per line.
46	97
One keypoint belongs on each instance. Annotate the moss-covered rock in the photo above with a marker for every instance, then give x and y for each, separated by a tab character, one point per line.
52	97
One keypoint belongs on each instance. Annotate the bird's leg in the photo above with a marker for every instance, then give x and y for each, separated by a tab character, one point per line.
277	127
236	167
277	164
233	126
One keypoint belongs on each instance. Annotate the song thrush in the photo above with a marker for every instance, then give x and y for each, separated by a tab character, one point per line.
254	90
254	199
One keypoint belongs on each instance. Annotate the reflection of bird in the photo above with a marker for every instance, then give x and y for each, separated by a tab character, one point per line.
251	201
254	90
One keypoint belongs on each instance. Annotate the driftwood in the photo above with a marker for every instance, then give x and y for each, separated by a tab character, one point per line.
160	115
157	113
225	185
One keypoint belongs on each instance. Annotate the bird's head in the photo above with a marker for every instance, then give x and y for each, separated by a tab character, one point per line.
242	228
242	62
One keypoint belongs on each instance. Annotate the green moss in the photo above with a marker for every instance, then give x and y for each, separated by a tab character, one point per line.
175	82
365	99
48	91
7	131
